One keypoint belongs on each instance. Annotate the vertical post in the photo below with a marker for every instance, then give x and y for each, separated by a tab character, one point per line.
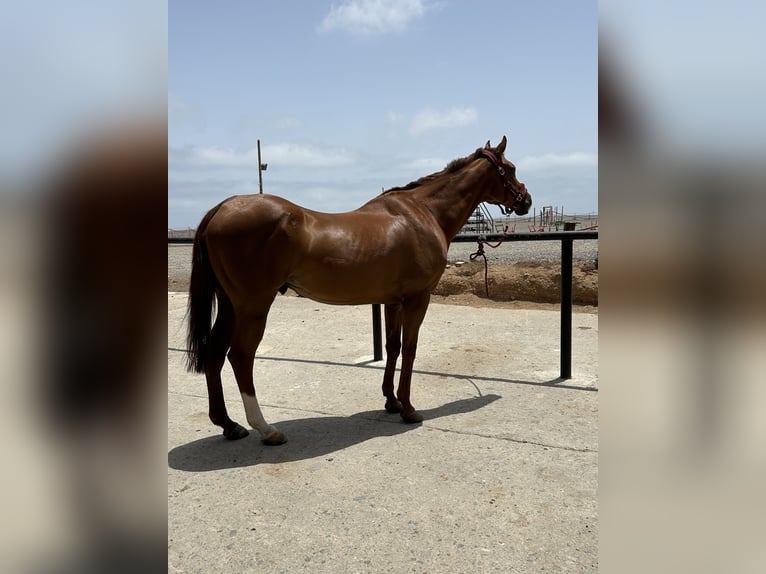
377	340
260	166
566	308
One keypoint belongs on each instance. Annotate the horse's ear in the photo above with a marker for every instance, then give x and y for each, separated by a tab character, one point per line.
501	146
487	146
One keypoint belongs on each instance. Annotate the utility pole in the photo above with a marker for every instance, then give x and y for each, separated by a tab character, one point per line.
261	168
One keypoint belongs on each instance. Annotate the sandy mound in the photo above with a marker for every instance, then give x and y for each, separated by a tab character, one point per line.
535	282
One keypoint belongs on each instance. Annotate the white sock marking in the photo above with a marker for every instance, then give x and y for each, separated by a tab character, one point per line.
255	416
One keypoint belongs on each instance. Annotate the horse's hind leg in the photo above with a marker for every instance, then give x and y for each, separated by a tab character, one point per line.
248	333
220	337
393	318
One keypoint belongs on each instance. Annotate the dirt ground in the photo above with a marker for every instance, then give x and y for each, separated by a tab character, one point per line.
527	285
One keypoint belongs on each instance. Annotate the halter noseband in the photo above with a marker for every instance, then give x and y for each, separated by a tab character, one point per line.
518	194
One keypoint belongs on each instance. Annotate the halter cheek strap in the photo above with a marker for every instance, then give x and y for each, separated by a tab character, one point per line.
493	160
518	194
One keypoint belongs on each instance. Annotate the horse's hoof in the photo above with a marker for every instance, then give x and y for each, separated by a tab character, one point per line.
236	433
393	407
412	418
274	438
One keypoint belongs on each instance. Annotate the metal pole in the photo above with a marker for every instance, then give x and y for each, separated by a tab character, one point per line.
566	308
260	175
377	340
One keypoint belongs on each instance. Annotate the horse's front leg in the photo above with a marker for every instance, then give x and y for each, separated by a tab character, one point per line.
393	319
414	311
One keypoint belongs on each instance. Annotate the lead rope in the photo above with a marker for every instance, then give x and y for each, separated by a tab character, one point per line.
480	251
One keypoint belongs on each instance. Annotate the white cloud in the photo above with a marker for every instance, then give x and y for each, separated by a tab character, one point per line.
222	157
287	123
306	155
552	161
295	155
429	119
425	165
371	17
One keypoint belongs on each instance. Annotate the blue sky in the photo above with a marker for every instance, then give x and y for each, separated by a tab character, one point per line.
355	96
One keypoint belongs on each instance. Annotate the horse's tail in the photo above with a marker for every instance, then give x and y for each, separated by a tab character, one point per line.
201	299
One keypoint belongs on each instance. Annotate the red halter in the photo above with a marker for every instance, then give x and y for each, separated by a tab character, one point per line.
519	193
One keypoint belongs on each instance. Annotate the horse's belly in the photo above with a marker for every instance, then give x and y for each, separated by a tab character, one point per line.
337	285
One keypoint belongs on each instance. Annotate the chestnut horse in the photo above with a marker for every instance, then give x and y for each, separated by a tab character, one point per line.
391	251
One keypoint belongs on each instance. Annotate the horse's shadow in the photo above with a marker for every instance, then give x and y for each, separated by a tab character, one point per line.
308	438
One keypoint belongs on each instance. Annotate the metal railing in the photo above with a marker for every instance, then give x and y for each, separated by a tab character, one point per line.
567	239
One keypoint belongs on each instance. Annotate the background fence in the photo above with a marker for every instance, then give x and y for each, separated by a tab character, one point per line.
567	239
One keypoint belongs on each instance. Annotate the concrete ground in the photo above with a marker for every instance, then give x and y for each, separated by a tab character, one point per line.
500	477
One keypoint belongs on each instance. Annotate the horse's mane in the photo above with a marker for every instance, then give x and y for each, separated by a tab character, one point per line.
452	167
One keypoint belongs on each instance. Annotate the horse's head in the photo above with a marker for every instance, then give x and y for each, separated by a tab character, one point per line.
513	195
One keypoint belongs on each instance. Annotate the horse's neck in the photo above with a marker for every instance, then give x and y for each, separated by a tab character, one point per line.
453	199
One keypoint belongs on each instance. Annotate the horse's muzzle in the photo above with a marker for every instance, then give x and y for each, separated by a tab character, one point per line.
524	203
